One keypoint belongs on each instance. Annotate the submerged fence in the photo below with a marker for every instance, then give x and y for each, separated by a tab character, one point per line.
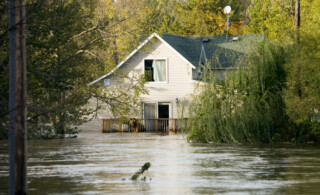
144	125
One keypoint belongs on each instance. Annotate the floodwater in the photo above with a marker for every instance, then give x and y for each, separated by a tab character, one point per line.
98	163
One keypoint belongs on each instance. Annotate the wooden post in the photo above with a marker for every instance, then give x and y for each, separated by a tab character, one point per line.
17	98
102	125
174	126
120	126
156	125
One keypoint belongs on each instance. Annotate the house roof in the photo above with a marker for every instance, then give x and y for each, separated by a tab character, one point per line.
190	49
214	47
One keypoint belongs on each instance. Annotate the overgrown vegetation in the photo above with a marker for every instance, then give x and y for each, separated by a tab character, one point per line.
70	43
245	107
274	96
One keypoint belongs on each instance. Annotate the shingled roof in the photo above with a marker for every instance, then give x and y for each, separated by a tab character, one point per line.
215	47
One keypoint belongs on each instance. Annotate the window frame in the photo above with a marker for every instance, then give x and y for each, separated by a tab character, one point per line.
167	69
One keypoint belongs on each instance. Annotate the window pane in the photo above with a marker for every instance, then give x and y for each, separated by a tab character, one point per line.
159	70
150	111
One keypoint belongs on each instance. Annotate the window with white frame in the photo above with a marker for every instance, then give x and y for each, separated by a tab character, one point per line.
155	70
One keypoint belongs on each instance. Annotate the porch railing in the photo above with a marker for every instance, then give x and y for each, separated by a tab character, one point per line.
144	125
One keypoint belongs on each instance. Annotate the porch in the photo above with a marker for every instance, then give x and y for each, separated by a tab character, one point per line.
161	125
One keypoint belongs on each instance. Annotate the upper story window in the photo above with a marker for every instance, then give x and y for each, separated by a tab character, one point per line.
155	70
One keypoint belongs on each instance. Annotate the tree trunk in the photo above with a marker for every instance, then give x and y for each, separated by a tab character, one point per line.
297	37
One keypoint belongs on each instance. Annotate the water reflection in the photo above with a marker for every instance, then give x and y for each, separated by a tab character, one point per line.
103	163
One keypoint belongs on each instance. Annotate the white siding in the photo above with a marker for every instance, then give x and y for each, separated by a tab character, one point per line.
179	84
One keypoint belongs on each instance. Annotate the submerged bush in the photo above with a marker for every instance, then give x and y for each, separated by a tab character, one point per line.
247	106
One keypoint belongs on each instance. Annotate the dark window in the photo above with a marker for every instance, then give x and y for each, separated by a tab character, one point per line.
148	69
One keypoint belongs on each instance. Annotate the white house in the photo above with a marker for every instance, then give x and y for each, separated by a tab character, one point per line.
174	64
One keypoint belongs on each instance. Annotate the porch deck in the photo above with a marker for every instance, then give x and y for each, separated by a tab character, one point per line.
163	125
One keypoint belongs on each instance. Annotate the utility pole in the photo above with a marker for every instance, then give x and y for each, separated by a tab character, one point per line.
17	98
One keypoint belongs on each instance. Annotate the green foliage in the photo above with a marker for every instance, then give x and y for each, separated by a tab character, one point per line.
69	44
275	19
307	131
302	94
198	17
144	168
60	35
248	105
189	18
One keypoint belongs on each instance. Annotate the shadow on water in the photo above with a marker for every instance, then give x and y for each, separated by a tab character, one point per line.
103	163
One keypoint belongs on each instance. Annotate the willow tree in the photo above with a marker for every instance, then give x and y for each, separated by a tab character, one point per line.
247	106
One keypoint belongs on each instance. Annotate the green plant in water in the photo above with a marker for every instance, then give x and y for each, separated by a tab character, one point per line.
144	168
247	106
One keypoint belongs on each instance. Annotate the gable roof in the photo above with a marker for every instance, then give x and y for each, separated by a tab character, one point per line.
190	48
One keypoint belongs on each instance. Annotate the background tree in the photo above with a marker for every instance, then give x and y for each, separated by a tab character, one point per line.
275	19
69	44
195	17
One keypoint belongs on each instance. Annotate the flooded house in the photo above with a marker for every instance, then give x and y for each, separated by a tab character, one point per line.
173	67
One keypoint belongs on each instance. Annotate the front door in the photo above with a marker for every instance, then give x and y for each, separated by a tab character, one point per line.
163	110
163	115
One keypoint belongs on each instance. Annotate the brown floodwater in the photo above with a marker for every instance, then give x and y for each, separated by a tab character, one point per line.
96	163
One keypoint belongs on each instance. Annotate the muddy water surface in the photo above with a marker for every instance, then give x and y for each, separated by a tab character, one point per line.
98	163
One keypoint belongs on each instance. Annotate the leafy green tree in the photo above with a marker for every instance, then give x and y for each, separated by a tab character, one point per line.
61	41
275	19
70	43
195	17
303	95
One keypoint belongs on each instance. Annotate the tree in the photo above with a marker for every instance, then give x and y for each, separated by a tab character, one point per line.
67	45
60	36
202	18
248	105
305	104
70	43
276	19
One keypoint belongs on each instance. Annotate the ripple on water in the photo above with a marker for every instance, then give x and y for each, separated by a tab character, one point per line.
98	163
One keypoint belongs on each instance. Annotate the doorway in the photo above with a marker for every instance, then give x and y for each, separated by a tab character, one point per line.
163	110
